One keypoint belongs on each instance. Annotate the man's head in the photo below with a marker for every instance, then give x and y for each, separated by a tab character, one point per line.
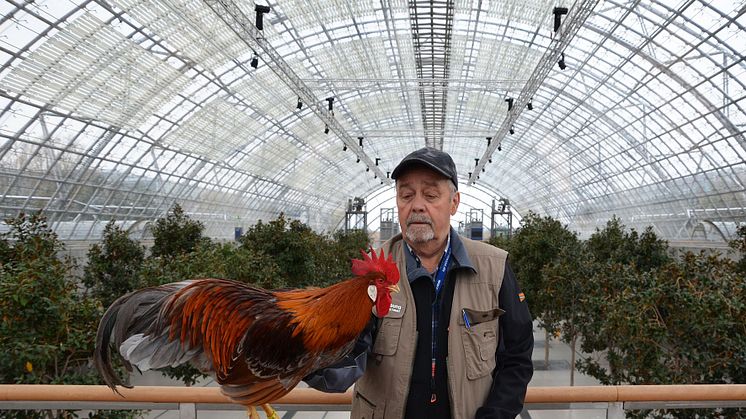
426	196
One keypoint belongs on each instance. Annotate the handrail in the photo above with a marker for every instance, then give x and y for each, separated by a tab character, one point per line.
307	396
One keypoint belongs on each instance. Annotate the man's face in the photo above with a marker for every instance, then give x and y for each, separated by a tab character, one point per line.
425	204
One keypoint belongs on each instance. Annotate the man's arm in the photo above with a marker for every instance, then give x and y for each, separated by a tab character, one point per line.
516	343
339	377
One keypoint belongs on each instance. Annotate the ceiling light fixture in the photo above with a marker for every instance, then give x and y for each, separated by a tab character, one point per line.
260	11
558	12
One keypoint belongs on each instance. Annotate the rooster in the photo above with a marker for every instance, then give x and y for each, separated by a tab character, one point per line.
259	344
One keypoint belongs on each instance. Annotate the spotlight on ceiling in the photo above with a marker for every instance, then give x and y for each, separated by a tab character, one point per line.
254	61
510	103
260	11
561	62
558	12
299	105
529	105
326	129
512	131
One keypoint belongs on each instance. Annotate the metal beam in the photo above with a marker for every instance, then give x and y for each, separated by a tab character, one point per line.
238	22
572	24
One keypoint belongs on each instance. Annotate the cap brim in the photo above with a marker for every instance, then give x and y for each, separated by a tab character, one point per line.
404	166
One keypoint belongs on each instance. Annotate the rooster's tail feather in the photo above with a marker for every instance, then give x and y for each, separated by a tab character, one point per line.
131	325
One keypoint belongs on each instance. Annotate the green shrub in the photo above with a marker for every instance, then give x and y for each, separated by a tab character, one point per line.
175	234
113	267
535	244
47	327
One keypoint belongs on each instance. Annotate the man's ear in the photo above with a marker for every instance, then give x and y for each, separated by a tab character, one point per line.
455	201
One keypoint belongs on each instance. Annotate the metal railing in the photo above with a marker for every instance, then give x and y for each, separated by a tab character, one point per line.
188	400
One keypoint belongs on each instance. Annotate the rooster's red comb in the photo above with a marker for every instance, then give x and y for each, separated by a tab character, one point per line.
376	263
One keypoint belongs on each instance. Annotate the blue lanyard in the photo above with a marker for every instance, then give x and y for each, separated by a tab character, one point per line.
440	278
440	275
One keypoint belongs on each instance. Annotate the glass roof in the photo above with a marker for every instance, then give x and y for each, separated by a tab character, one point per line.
116	109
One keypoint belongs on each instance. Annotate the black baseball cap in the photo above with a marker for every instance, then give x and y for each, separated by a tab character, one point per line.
429	157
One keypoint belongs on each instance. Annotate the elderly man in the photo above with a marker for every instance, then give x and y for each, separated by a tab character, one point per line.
457	342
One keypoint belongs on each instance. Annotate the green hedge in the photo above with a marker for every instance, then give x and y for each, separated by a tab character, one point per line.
640	316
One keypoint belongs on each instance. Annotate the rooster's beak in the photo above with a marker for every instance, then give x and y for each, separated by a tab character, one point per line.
393	288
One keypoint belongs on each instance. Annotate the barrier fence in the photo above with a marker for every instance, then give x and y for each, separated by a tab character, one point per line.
189	400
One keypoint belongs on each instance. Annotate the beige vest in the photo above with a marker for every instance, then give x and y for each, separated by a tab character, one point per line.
382	391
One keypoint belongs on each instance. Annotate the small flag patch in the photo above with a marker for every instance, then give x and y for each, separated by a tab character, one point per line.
521	296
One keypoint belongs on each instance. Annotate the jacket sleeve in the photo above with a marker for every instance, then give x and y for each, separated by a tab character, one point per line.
338	377
514	367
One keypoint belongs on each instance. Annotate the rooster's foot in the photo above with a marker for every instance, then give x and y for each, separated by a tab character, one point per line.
271	413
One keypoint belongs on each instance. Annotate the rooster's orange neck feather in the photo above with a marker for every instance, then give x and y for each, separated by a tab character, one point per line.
329	317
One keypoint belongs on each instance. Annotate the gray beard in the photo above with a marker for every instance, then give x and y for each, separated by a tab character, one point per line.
420	234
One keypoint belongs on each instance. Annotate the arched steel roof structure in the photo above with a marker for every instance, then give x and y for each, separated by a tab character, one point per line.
116	109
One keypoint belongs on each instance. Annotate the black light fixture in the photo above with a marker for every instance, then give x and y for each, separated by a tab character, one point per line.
500	148
358	160
489	140
469	174
300	104
512	131
254	61
331	104
483	170
377	160
360	141
530	105
344	147
490	160
388	175
367	169
326	129
558	12
476	162
260	11
510	103
561	62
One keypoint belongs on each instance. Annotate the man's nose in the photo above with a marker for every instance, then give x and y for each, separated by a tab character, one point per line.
418	204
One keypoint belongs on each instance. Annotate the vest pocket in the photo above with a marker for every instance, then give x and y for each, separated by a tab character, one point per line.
480	345
387	338
389	328
363	408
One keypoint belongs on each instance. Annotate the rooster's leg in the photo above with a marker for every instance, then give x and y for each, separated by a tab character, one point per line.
271	413
252	413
